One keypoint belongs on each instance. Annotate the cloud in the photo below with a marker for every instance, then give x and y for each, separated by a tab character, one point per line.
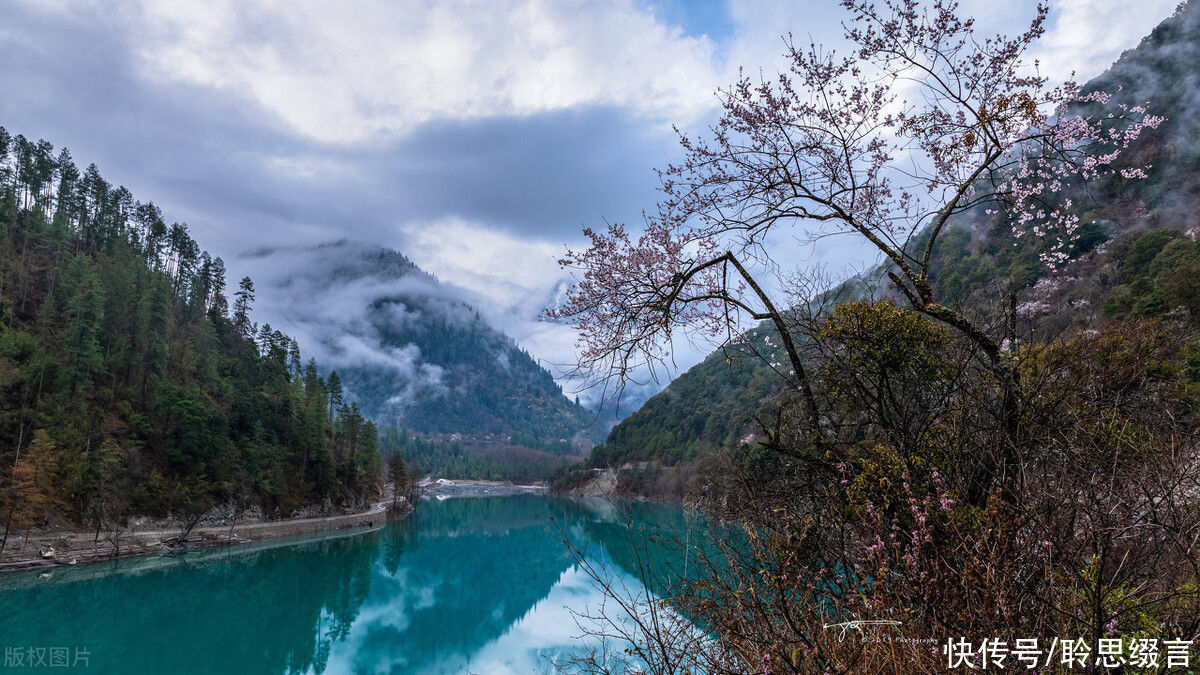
477	135
508	278
386	67
548	173
332	298
1086	36
496	267
242	180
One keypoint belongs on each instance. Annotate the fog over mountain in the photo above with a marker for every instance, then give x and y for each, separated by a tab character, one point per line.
480	167
410	350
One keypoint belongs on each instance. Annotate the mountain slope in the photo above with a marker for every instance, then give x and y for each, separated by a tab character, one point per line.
409	352
127	387
713	404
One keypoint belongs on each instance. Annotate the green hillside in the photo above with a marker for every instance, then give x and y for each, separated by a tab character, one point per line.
129	385
1137	260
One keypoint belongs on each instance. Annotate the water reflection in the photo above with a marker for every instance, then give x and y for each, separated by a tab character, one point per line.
465	585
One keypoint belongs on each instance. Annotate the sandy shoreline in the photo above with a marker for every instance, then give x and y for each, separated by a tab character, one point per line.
78	548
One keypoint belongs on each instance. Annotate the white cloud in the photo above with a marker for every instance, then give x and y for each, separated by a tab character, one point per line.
508	278
490	263
1084	36
1087	36
343	75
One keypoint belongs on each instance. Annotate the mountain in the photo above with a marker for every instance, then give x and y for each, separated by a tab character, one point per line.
408	350
1141	259
128	386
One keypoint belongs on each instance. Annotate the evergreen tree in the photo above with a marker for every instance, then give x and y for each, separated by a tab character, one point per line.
334	384
243	300
128	389
398	472
84	315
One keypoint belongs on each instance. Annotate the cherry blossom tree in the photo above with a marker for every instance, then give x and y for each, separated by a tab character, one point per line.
921	122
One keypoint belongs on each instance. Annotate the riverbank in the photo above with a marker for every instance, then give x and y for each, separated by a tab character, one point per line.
443	488
77	548
74	547
647	481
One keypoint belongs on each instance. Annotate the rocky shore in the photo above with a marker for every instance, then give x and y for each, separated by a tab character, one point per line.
444	488
76	548
146	538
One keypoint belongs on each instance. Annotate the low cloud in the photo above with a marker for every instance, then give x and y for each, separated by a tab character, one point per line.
333	298
479	137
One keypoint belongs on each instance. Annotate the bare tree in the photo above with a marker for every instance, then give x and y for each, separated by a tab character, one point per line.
934	475
922	122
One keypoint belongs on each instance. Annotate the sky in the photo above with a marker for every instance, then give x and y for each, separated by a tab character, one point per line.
476	136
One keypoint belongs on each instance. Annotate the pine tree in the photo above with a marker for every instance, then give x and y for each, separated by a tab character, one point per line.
116	342
218	306
334	384
294	364
399	475
243	300
85	311
102	466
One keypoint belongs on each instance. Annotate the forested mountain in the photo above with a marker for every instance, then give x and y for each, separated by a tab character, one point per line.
520	460
128	385
408	350
1137	256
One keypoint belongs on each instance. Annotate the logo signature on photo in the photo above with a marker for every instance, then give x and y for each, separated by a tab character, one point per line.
859	624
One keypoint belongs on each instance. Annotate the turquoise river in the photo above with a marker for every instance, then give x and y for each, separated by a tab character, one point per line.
480	585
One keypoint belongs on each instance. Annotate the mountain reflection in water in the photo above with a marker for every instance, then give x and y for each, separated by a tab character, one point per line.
480	585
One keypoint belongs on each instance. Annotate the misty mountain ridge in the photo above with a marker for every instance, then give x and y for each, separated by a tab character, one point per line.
408	349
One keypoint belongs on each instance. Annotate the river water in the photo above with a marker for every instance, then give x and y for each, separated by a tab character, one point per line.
483	585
